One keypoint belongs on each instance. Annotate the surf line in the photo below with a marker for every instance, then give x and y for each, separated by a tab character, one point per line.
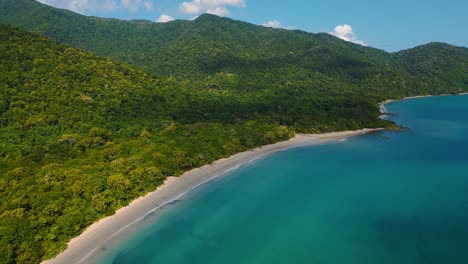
175	198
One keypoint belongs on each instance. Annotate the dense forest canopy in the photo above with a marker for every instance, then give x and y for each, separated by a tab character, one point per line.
82	134
255	57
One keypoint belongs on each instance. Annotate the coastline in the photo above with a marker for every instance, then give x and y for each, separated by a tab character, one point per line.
98	234
384	112
90	241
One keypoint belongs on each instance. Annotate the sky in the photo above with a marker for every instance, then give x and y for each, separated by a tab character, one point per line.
390	25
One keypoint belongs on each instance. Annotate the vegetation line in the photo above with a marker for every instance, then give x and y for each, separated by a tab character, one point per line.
100	233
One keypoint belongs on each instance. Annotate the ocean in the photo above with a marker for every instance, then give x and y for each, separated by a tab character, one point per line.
386	197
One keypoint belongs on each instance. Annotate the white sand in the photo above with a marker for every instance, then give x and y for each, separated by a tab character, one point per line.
384	112
95	236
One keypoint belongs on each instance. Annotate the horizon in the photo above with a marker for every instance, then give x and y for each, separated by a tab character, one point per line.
391	26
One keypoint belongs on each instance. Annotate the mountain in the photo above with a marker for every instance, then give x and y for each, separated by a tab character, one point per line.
436	64
255	57
83	134
179	47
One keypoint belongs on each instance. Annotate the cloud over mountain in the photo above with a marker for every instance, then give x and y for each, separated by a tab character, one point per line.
82	6
345	32
164	18
216	7
272	24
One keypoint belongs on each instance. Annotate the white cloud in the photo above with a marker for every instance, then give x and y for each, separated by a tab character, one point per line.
219	11
345	32
272	24
148	5
276	24
132	5
78	5
109	5
217	7
83	6
164	18
190	8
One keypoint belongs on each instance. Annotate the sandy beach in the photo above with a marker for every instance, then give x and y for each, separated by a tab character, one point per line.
81	248
383	110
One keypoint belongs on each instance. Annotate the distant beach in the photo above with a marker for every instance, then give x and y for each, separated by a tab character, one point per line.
98	234
383	110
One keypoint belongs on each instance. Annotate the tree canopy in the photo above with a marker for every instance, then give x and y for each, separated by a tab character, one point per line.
82	135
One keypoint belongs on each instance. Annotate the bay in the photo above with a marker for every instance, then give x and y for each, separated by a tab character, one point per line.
387	197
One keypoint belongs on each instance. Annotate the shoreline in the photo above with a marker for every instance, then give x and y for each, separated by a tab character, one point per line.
90	241
384	112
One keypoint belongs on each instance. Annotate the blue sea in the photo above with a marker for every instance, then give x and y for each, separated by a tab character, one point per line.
387	197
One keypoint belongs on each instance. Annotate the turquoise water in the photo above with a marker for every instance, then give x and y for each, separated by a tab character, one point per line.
379	198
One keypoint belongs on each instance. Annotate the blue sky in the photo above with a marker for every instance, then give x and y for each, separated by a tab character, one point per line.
391	25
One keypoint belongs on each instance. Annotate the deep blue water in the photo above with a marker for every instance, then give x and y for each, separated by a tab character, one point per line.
380	198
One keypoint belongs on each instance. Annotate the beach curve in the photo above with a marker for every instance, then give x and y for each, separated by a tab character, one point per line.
81	248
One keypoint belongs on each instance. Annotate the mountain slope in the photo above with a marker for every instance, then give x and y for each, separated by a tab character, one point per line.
198	44
54	104
203	49
280	66
81	136
436	64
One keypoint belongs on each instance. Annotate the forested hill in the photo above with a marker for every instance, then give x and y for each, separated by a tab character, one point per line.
254	57
81	135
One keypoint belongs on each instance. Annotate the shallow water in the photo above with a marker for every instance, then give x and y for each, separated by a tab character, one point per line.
379	198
